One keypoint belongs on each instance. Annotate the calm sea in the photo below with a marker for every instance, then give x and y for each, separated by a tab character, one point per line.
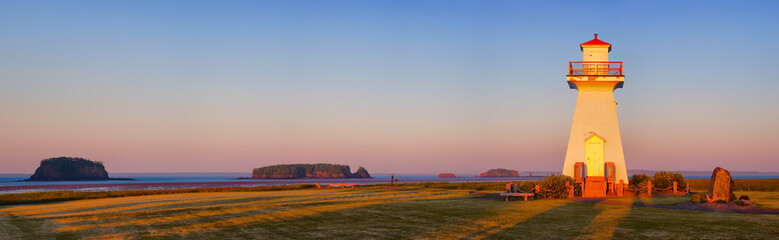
9	183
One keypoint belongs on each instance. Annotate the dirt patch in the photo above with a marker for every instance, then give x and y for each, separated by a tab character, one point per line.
490	196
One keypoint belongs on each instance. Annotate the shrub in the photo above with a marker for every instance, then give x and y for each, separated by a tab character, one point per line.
721	201
638	181
695	198
743	197
663	180
740	203
553	186
528	186
577	189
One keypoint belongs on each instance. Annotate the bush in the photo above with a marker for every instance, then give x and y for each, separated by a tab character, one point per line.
695	198
638	181
743	197
663	180
577	189
528	186
553	186
721	201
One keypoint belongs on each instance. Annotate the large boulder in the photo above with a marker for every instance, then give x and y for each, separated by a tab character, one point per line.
721	186
69	169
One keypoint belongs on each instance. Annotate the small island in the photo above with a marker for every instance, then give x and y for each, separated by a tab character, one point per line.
297	171
446	175
71	169
500	172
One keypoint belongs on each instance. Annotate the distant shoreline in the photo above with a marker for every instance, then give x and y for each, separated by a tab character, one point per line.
251	178
80	180
143	184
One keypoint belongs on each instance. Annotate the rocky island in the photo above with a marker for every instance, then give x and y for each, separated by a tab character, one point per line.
446	175
296	171
500	172
71	169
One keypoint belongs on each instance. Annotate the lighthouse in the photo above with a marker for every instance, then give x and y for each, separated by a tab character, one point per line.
594	156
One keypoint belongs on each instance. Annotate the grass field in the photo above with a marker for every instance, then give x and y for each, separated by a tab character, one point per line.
770	185
373	213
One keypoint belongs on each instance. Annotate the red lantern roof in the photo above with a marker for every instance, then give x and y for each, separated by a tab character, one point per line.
595	42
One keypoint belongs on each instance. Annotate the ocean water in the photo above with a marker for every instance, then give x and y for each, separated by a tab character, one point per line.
10	183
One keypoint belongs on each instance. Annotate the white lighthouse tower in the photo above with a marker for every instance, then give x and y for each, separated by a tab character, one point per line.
594	155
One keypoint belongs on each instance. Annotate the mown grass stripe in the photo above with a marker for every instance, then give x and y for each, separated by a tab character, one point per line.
286	214
97	203
106	216
604	224
495	221
140	206
236	209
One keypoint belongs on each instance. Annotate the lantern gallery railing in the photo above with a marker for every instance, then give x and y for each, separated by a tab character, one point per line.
594	68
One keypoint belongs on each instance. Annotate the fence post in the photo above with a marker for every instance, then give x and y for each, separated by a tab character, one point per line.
626	186
688	188
537	188
649	188
620	188
674	188
569	189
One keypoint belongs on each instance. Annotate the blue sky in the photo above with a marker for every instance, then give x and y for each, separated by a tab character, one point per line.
395	86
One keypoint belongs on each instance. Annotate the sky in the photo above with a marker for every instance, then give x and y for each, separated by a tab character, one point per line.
414	87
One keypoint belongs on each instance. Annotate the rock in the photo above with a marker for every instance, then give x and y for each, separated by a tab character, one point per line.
361	173
295	171
500	172
69	169
744	199
721	187
446	175
695	198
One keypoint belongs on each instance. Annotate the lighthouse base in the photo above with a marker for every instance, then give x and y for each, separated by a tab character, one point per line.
594	187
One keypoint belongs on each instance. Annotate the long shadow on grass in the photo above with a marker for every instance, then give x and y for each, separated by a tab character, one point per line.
232	226
408	220
563	222
644	222
394	220
167	217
